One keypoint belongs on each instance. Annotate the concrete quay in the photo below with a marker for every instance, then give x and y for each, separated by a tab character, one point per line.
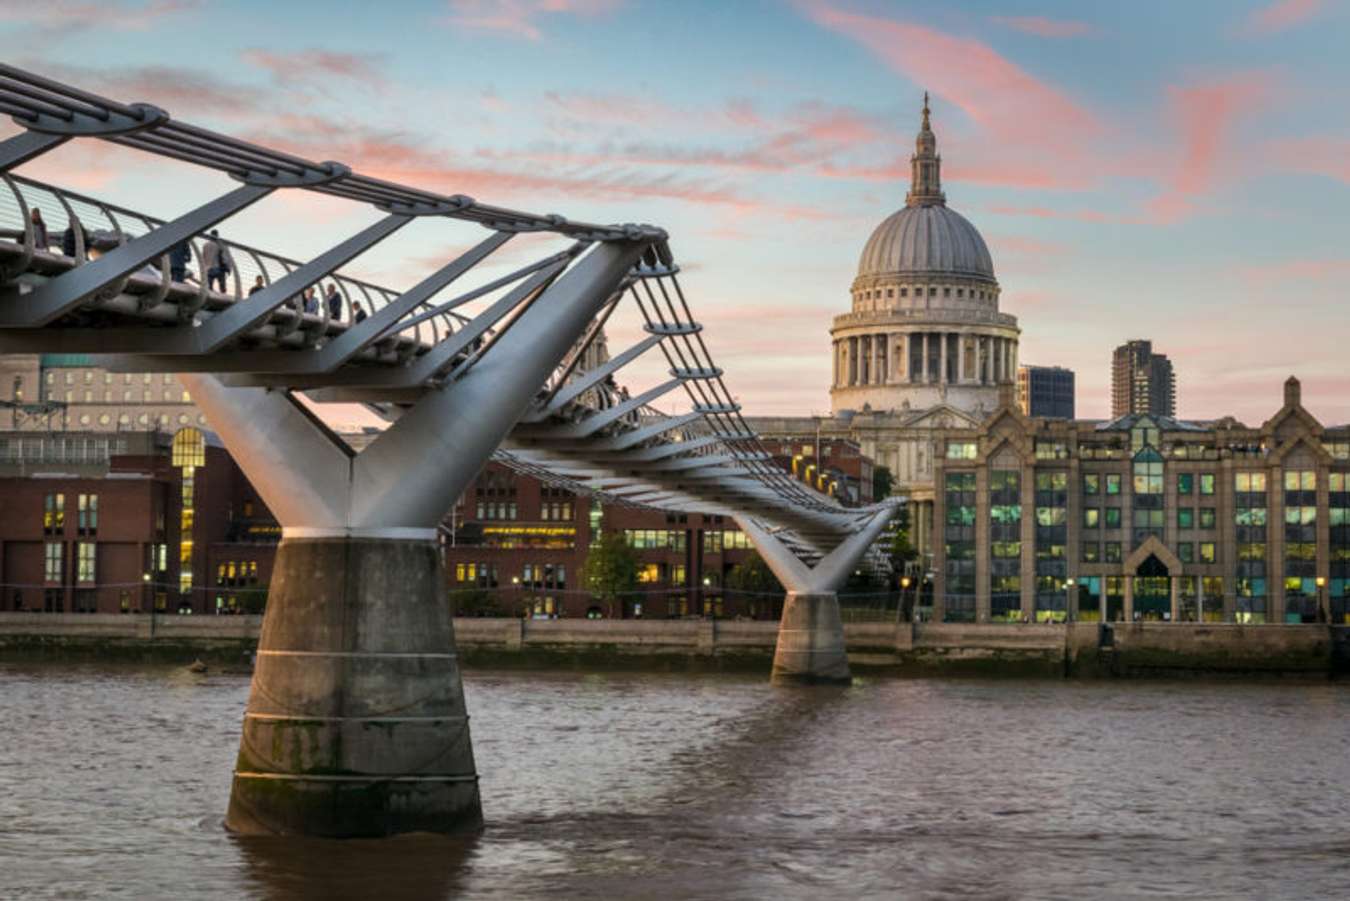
1074	650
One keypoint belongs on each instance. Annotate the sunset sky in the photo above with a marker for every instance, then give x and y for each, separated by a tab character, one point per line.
1155	169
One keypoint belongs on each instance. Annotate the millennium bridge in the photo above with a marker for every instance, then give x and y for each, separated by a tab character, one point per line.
356	722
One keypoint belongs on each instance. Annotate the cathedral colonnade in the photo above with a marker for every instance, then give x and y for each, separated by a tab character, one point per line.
924	356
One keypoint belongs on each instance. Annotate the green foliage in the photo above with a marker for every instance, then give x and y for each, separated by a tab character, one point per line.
754	575
901	550
611	567
882	480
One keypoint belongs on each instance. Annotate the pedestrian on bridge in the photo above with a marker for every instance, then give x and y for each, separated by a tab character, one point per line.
310	302
217	262
179	258
68	239
257	285
334	302
360	314
40	239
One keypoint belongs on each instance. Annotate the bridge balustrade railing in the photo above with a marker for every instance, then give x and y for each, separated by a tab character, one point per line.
107	225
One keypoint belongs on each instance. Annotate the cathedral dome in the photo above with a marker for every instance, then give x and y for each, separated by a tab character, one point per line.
923	240
925	237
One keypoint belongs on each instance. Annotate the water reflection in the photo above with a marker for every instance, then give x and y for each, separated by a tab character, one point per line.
406	868
684	786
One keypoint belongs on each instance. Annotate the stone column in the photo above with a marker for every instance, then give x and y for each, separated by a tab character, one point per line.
355	723
960	358
810	645
1175	582
835	359
1028	536
1199	599
982	545
942	358
853	361
925	371
1129	599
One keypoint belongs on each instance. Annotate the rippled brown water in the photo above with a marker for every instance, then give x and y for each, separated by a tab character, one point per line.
113	782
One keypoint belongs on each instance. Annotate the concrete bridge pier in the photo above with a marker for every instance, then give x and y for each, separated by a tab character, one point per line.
356	723
811	648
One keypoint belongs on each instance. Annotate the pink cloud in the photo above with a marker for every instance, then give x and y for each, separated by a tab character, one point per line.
317	64
1206	115
397	157
1316	155
1031	133
1043	27
186	93
806	136
520	18
79	14
1297	270
1281	15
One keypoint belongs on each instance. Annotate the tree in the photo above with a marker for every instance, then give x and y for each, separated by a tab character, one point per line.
882	480
901	550
610	569
753	575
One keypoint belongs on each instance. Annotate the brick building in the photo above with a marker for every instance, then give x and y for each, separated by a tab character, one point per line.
129	522
516	546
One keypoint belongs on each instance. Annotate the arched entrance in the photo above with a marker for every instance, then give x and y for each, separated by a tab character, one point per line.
1151	573
1152	590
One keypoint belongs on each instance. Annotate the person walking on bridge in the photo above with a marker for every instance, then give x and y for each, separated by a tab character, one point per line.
40	237
216	261
334	302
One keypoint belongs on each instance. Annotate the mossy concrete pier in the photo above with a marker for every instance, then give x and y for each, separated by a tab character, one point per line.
356	723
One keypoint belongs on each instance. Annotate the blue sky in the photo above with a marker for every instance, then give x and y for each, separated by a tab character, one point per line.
1177	171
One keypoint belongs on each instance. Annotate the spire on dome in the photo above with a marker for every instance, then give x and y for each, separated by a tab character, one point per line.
925	187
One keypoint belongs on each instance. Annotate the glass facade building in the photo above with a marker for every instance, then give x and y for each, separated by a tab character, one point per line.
1145	518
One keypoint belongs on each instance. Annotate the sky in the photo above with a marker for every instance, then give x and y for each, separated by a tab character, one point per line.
1163	170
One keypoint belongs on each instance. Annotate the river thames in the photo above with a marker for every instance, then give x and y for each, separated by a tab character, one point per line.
114	780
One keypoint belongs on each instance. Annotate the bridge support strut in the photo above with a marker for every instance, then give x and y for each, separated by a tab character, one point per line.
356	723
811	648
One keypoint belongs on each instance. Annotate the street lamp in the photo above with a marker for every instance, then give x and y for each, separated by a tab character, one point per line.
1070	605
904	590
1321	608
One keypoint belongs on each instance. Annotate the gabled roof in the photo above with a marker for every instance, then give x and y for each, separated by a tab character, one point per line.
1164	423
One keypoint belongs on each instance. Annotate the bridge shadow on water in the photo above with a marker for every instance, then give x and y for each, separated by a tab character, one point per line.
408	867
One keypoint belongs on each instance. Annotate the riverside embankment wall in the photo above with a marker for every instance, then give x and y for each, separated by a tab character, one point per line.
1080	649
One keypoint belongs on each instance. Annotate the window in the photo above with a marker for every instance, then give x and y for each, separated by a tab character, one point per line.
1207	518
1207	554
1185	482
1091	551
1113	483
1111	551
54	514
961	450
1186	552
1052	450
1206	483
1092	483
1185	517
88	514
1091	518
1249	481
1300	480
1112	517
86	555
52	554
